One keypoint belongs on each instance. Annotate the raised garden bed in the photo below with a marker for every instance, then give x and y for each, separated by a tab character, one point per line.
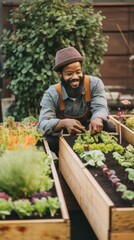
127	133
39	228
110	216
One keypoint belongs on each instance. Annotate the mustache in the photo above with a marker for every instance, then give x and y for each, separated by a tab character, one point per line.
73	80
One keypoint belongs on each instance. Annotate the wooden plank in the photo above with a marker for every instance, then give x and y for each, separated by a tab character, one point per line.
58	186
115	67
131	13
112	17
90	196
116	44
131	42
122	219
119	85
127	133
34	230
122	236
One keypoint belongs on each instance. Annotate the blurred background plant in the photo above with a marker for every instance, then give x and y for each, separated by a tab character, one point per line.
40	28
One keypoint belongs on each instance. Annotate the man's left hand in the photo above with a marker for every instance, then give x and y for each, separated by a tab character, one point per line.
96	125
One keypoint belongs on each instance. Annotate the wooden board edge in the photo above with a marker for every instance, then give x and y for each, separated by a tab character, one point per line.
57	185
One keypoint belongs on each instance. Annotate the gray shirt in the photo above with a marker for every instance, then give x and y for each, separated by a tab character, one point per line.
50	105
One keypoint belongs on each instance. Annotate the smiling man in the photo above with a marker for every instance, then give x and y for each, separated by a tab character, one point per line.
77	103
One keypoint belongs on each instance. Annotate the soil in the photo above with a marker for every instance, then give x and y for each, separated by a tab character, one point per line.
103	181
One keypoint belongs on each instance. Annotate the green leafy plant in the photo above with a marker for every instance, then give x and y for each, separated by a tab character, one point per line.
23	208
40	28
127	158
41	206
5	208
25	171
102	141
53	204
27	208
130	122
125	193
93	158
130	173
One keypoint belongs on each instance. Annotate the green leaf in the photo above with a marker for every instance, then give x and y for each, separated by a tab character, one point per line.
41	206
128	195
5	208
23	208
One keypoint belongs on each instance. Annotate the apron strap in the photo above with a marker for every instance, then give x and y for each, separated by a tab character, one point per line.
86	87
59	90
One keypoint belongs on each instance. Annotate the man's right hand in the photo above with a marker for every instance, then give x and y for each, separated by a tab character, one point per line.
73	126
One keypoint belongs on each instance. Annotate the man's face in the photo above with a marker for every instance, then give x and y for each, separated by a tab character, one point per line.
72	74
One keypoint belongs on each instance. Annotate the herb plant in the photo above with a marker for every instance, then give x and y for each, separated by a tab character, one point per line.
25	171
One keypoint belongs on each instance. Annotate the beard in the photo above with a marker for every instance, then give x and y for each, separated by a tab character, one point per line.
73	92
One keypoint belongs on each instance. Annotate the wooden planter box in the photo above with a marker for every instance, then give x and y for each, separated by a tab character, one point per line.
107	221
127	133
39	229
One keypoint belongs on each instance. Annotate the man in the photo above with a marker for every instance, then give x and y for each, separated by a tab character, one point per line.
76	103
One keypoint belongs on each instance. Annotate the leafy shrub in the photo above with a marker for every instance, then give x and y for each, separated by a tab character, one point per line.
40	29
25	171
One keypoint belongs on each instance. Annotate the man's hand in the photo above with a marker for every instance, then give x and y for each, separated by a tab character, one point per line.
96	125
73	126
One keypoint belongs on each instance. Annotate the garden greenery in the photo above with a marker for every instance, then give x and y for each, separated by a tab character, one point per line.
40	28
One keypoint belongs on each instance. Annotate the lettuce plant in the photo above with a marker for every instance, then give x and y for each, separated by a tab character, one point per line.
54	205
23	208
41	206
5	208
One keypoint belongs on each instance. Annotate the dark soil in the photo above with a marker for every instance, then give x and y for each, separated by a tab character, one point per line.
103	181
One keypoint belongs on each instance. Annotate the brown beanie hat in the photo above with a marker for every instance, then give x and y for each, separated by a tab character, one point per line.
66	56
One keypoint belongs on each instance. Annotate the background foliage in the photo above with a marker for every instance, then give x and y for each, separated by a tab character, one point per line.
40	29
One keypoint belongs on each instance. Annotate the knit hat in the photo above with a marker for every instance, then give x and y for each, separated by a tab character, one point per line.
66	56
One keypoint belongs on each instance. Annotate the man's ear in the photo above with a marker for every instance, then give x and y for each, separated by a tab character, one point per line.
59	74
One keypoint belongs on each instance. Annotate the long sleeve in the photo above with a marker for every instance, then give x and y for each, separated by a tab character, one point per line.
47	117
99	106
